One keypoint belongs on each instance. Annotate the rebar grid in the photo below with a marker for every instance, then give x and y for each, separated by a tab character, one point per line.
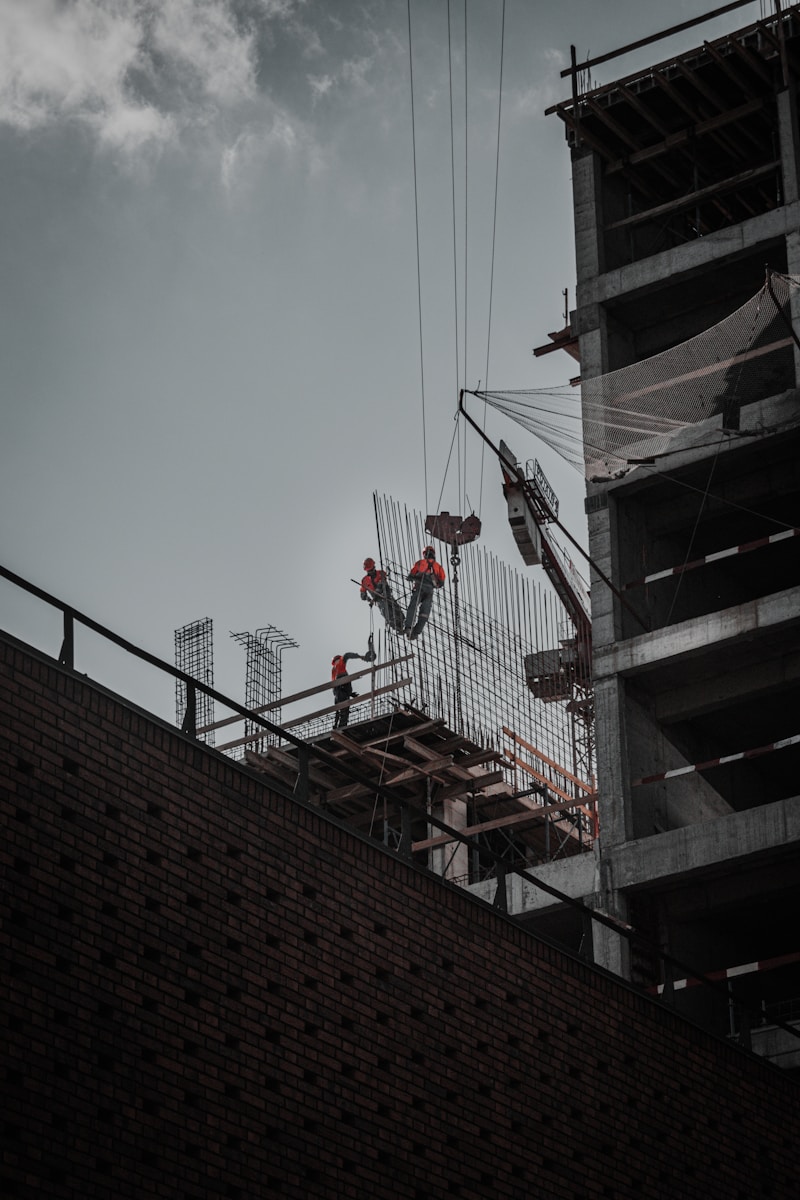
263	674
469	664
194	655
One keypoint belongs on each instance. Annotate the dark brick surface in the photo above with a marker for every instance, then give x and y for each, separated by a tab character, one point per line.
212	991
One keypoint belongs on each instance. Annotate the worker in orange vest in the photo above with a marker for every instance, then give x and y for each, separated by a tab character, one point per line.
427	576
375	588
345	690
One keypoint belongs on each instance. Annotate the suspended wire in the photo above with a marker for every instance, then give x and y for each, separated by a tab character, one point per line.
570	447
447	466
462	503
453	206
704	500
494	239
419	272
722	500
700	508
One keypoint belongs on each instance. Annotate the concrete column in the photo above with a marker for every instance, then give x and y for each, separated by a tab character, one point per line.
789	145
587	205
611	950
612	757
452	860
790	163
604	627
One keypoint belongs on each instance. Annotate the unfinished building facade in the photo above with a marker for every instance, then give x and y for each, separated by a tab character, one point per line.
686	192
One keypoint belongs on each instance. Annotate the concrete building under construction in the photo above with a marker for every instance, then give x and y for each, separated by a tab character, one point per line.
686	180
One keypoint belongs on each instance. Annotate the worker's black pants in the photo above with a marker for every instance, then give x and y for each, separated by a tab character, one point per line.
419	608
343	715
389	609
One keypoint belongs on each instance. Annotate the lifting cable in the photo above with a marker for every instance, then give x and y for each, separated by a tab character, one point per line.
494	239
419	273
455	560
462	502
453	216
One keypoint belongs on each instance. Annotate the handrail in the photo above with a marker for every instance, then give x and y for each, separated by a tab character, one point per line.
308	751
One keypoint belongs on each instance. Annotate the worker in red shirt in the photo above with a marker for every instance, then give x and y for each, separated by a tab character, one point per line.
345	690
375	588
427	576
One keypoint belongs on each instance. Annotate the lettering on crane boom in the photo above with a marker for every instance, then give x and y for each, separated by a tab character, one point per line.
535	475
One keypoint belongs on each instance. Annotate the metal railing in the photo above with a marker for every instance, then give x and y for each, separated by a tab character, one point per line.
307	754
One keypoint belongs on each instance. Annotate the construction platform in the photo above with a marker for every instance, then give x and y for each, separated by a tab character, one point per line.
366	773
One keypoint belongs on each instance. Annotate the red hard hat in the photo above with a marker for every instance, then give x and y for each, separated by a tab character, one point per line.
369	564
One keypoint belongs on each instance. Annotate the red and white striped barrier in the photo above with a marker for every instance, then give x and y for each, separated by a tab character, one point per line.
764	964
709	558
718	762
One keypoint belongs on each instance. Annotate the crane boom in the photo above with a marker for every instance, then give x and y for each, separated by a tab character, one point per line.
532	507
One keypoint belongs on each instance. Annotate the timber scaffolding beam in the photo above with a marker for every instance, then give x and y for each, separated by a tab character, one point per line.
419	761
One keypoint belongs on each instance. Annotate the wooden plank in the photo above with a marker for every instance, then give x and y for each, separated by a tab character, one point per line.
313	691
585	787
428	753
369	752
414	770
259	763
691	198
412	743
673	141
572	802
480	757
516	819
386	739
290	763
532	815
389	687
349	791
256	737
529	770
472	783
345	741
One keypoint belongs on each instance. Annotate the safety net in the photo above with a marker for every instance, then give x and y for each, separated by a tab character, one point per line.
636	412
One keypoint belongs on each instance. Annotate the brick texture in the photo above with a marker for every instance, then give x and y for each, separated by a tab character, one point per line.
213	991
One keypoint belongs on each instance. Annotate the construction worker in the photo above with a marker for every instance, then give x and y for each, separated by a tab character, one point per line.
345	690
375	588
427	575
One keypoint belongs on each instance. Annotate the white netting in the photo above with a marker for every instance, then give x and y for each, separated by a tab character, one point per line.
634	413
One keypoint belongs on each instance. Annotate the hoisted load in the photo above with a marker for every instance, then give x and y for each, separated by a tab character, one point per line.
456	531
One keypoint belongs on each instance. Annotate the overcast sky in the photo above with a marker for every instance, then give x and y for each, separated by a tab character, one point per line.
210	322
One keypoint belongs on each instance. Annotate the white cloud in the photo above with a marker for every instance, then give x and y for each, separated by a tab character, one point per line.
66	61
130	129
199	38
320	86
279	9
355	72
143	75
135	72
279	134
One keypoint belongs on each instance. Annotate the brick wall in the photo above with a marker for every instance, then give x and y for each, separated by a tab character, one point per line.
213	991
